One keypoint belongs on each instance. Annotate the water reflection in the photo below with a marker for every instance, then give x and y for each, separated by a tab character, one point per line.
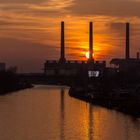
91	131
62	113
48	113
126	130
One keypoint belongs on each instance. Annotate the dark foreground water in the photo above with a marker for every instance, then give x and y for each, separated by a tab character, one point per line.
48	113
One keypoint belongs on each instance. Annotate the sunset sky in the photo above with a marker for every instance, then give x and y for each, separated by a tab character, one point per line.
30	30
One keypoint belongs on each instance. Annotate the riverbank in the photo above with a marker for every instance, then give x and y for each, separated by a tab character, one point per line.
10	82
121	100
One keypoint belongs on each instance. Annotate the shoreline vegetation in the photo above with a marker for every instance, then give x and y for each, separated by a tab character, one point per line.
10	82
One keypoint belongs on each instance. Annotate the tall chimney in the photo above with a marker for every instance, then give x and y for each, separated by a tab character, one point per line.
90	41
62	54
127	55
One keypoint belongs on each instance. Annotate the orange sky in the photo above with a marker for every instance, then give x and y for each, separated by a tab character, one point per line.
30	30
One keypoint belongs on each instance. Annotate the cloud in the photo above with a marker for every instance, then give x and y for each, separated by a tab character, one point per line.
116	25
22	1
121	8
30	29
36	7
26	55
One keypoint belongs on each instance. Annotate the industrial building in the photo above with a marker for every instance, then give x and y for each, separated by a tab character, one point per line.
64	67
127	64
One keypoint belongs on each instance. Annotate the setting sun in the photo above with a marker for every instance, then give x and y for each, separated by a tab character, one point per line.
87	55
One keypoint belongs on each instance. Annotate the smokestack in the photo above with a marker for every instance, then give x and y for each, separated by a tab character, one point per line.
127	42
138	55
90	41
62	54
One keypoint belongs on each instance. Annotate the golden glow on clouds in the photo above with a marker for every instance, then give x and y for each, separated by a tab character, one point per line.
39	23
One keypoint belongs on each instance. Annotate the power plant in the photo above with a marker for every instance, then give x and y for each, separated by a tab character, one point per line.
112	87
127	63
117	88
64	67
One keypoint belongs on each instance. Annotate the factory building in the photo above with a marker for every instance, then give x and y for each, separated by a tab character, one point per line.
127	64
64	67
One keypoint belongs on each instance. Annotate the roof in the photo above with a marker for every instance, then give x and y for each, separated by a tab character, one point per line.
131	61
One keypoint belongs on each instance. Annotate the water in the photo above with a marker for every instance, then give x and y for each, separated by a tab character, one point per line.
48	113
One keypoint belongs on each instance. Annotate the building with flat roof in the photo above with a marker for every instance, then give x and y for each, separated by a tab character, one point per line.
64	67
127	63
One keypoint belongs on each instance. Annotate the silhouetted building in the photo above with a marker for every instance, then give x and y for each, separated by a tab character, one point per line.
127	63
74	67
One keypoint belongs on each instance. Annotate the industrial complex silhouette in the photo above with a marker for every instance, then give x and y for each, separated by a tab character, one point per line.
64	67
92	80
68	68
127	63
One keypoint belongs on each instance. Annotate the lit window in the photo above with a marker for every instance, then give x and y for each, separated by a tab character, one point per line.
93	73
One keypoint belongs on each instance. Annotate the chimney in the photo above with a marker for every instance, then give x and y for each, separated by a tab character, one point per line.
138	55
127	55
62	54
91	42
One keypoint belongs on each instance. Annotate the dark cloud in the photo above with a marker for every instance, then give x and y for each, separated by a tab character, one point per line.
120	28
107	7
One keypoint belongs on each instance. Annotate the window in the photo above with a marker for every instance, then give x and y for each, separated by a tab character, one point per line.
93	73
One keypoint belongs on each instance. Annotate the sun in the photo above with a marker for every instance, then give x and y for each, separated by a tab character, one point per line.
87	54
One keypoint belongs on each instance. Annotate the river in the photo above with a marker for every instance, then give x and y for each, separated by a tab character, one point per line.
48	113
